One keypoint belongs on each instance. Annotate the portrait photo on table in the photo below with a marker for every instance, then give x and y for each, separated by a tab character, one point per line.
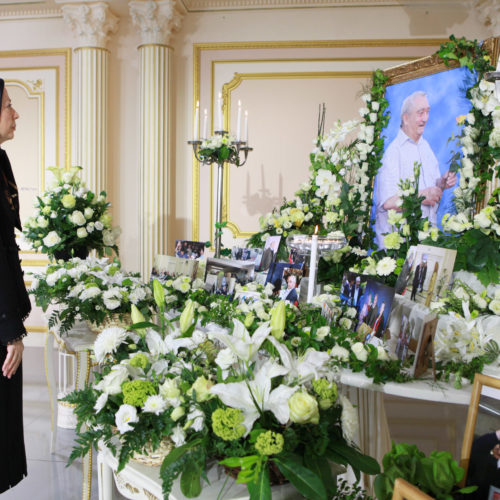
352	288
269	255
426	273
252	254
424	113
278	274
221	275
189	249
373	312
166	267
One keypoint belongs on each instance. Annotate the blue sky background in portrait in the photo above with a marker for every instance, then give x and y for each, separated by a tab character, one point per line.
447	100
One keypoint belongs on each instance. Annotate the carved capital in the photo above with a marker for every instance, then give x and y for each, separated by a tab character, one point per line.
156	20
92	23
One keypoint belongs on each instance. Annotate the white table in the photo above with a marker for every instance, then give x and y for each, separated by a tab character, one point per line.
141	482
78	341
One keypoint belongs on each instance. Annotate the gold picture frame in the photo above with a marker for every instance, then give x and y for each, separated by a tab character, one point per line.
403	490
480	381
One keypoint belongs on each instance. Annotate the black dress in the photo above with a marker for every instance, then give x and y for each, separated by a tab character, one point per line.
14	308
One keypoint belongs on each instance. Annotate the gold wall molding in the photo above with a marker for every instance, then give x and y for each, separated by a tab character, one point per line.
200	49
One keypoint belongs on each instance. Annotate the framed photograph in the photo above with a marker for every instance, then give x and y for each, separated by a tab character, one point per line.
352	289
373	311
402	282
270	251
424	353
290	290
252	254
221	275
429	274
425	99
166	267
189	249
275	273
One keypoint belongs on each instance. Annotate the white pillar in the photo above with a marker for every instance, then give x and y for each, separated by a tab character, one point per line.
92	23
156	21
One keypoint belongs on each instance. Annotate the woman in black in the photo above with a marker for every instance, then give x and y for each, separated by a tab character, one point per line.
14	308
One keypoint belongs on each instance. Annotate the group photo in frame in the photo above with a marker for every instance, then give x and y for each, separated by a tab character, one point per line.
426	102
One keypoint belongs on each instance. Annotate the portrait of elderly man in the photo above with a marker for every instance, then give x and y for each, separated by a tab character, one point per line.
408	148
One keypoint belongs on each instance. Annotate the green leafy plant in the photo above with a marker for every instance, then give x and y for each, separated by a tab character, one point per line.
437	474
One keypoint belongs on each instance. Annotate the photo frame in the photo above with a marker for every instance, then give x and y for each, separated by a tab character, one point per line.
167	267
189	249
403	490
221	275
483	385
444	101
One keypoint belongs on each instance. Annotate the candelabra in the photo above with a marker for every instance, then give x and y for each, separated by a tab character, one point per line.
224	152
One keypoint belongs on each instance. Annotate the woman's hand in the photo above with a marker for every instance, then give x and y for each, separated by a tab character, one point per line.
13	359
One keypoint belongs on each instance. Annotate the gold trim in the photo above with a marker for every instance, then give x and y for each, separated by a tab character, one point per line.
197	56
480	380
227	88
34	263
67	54
318	59
37	329
66	404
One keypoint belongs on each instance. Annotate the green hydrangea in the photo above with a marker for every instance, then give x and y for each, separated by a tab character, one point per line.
140	360
269	443
227	424
327	392
136	392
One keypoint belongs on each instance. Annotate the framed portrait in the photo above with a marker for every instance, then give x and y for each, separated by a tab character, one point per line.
269	254
425	99
352	289
373	312
189	249
221	275
426	273
251	254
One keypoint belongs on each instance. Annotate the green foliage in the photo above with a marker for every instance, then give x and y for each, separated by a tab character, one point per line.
437	475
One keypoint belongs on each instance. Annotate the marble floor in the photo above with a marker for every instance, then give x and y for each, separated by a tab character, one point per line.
49	478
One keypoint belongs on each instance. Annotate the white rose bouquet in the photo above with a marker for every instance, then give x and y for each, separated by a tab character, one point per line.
70	220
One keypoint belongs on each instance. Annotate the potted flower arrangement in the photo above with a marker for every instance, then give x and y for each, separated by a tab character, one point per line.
70	220
218	149
245	400
94	290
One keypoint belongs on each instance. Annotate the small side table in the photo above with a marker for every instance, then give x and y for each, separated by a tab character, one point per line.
80	341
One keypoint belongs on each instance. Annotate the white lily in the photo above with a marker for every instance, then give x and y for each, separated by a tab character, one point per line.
304	368
241	343
157	345
255	396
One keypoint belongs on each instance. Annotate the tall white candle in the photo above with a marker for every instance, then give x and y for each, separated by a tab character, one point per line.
246	127
205	123
238	122
219	112
196	121
312	266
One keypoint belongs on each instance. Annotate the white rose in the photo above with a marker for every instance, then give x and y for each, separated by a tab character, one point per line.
42	222
112	382
81	232
495	306
359	351
382	354
51	239
375	105
340	352
322	332
480	301
345	323
99	225
225	358
88	212
77	218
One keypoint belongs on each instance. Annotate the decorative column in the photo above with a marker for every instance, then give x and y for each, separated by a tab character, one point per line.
92	23
156	21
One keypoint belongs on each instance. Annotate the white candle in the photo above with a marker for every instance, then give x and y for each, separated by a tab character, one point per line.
219	112
238	122
246	127
205	122
312	266
196	121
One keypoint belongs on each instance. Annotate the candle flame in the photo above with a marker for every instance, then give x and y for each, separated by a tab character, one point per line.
316	229
246	112
239	103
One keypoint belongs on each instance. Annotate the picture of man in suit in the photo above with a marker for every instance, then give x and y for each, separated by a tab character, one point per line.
270	250
356	293
419	277
290	293
373	312
484	465
345	293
